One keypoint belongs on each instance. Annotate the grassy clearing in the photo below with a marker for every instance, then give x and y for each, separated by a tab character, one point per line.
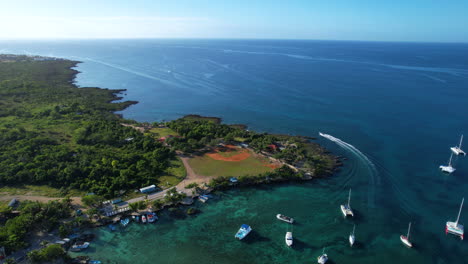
39	190
162	132
206	166
174	174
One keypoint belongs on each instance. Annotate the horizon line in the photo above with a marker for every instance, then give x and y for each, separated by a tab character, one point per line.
233	38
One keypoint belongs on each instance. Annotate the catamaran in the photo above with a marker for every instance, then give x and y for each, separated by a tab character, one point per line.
289	239
454	227
244	230
457	150
322	259
346	208
405	239
352	238
287	219
448	168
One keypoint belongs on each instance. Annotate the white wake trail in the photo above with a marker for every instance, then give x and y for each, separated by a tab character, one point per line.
370	166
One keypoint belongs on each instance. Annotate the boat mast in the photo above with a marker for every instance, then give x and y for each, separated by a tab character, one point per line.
459	212
450	160
461	139
409	228
349	197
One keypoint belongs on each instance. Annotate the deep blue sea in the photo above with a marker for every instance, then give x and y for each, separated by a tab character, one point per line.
397	107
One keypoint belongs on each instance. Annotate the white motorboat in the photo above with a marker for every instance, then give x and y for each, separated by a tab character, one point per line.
457	149
289	239
284	218
322	259
346	208
244	230
448	169
454	227
352	238
405	239
79	246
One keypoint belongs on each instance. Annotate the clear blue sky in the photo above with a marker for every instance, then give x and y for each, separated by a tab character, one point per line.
397	20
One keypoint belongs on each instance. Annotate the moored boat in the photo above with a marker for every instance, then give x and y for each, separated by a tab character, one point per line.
79	246
143	219
244	230
322	259
94	262
152	217
405	239
448	169
457	149
346	208
284	218
289	239
125	222
454	227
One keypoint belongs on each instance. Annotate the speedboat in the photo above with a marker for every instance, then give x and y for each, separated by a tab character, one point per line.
405	239
289	239
284	218
244	230
143	219
322	259
454	227
79	246
125	222
346	208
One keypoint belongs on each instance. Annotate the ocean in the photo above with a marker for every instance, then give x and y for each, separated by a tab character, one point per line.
392	109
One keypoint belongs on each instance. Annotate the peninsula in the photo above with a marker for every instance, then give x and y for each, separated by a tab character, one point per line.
61	141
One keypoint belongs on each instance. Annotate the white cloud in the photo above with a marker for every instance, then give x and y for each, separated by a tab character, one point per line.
102	27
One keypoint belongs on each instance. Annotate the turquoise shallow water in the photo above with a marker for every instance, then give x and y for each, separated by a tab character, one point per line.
401	105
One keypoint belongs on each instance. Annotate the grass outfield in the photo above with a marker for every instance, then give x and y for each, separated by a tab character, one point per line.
206	166
174	174
159	132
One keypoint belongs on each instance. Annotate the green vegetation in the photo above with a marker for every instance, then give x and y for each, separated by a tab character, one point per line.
50	253
253	165
33	216
174	174
53	133
41	190
192	185
159	132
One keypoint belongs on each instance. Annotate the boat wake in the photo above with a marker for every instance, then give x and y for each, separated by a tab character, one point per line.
372	170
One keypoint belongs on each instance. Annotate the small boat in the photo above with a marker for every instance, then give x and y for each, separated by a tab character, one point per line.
346	208
322	259
244	230
289	239
203	198
457	150
125	222
448	169
143	219
454	227
112	227
152	217
79	246
352	238
284	218
137	219
405	239
94	262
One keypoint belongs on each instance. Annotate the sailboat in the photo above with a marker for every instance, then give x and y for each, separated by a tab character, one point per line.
458	150
454	227
352	238
405	239
322	259
346	208
448	168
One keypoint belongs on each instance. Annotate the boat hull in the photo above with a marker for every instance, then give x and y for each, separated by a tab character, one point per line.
457	151
322	259
447	169
455	229
352	239
405	241
347	211
289	239
285	218
243	232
